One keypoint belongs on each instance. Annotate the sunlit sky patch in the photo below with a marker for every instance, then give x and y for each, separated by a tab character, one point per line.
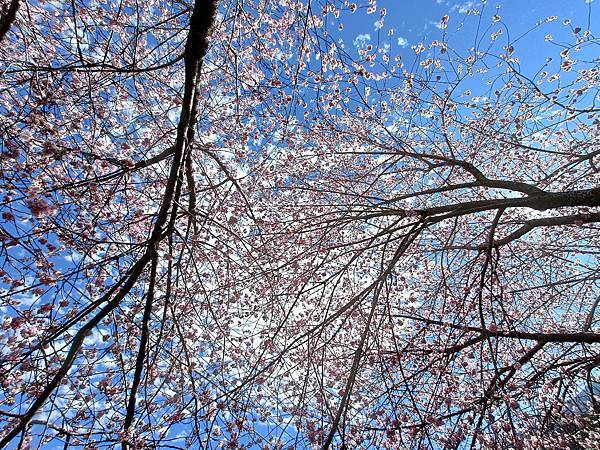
406	23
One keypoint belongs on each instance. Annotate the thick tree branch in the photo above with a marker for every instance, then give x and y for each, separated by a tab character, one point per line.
551	200
7	17
574	337
195	49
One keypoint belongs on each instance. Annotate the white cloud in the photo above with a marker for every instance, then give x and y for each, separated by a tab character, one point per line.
463	7
361	40
402	42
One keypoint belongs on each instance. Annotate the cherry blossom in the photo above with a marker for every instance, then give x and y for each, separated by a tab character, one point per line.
224	227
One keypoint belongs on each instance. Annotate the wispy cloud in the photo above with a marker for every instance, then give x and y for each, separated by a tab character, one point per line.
361	40
462	7
402	42
438	25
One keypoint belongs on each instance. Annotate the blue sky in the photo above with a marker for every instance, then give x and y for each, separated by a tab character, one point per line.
414	21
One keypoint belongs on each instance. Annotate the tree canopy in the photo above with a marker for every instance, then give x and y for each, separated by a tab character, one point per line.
223	226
